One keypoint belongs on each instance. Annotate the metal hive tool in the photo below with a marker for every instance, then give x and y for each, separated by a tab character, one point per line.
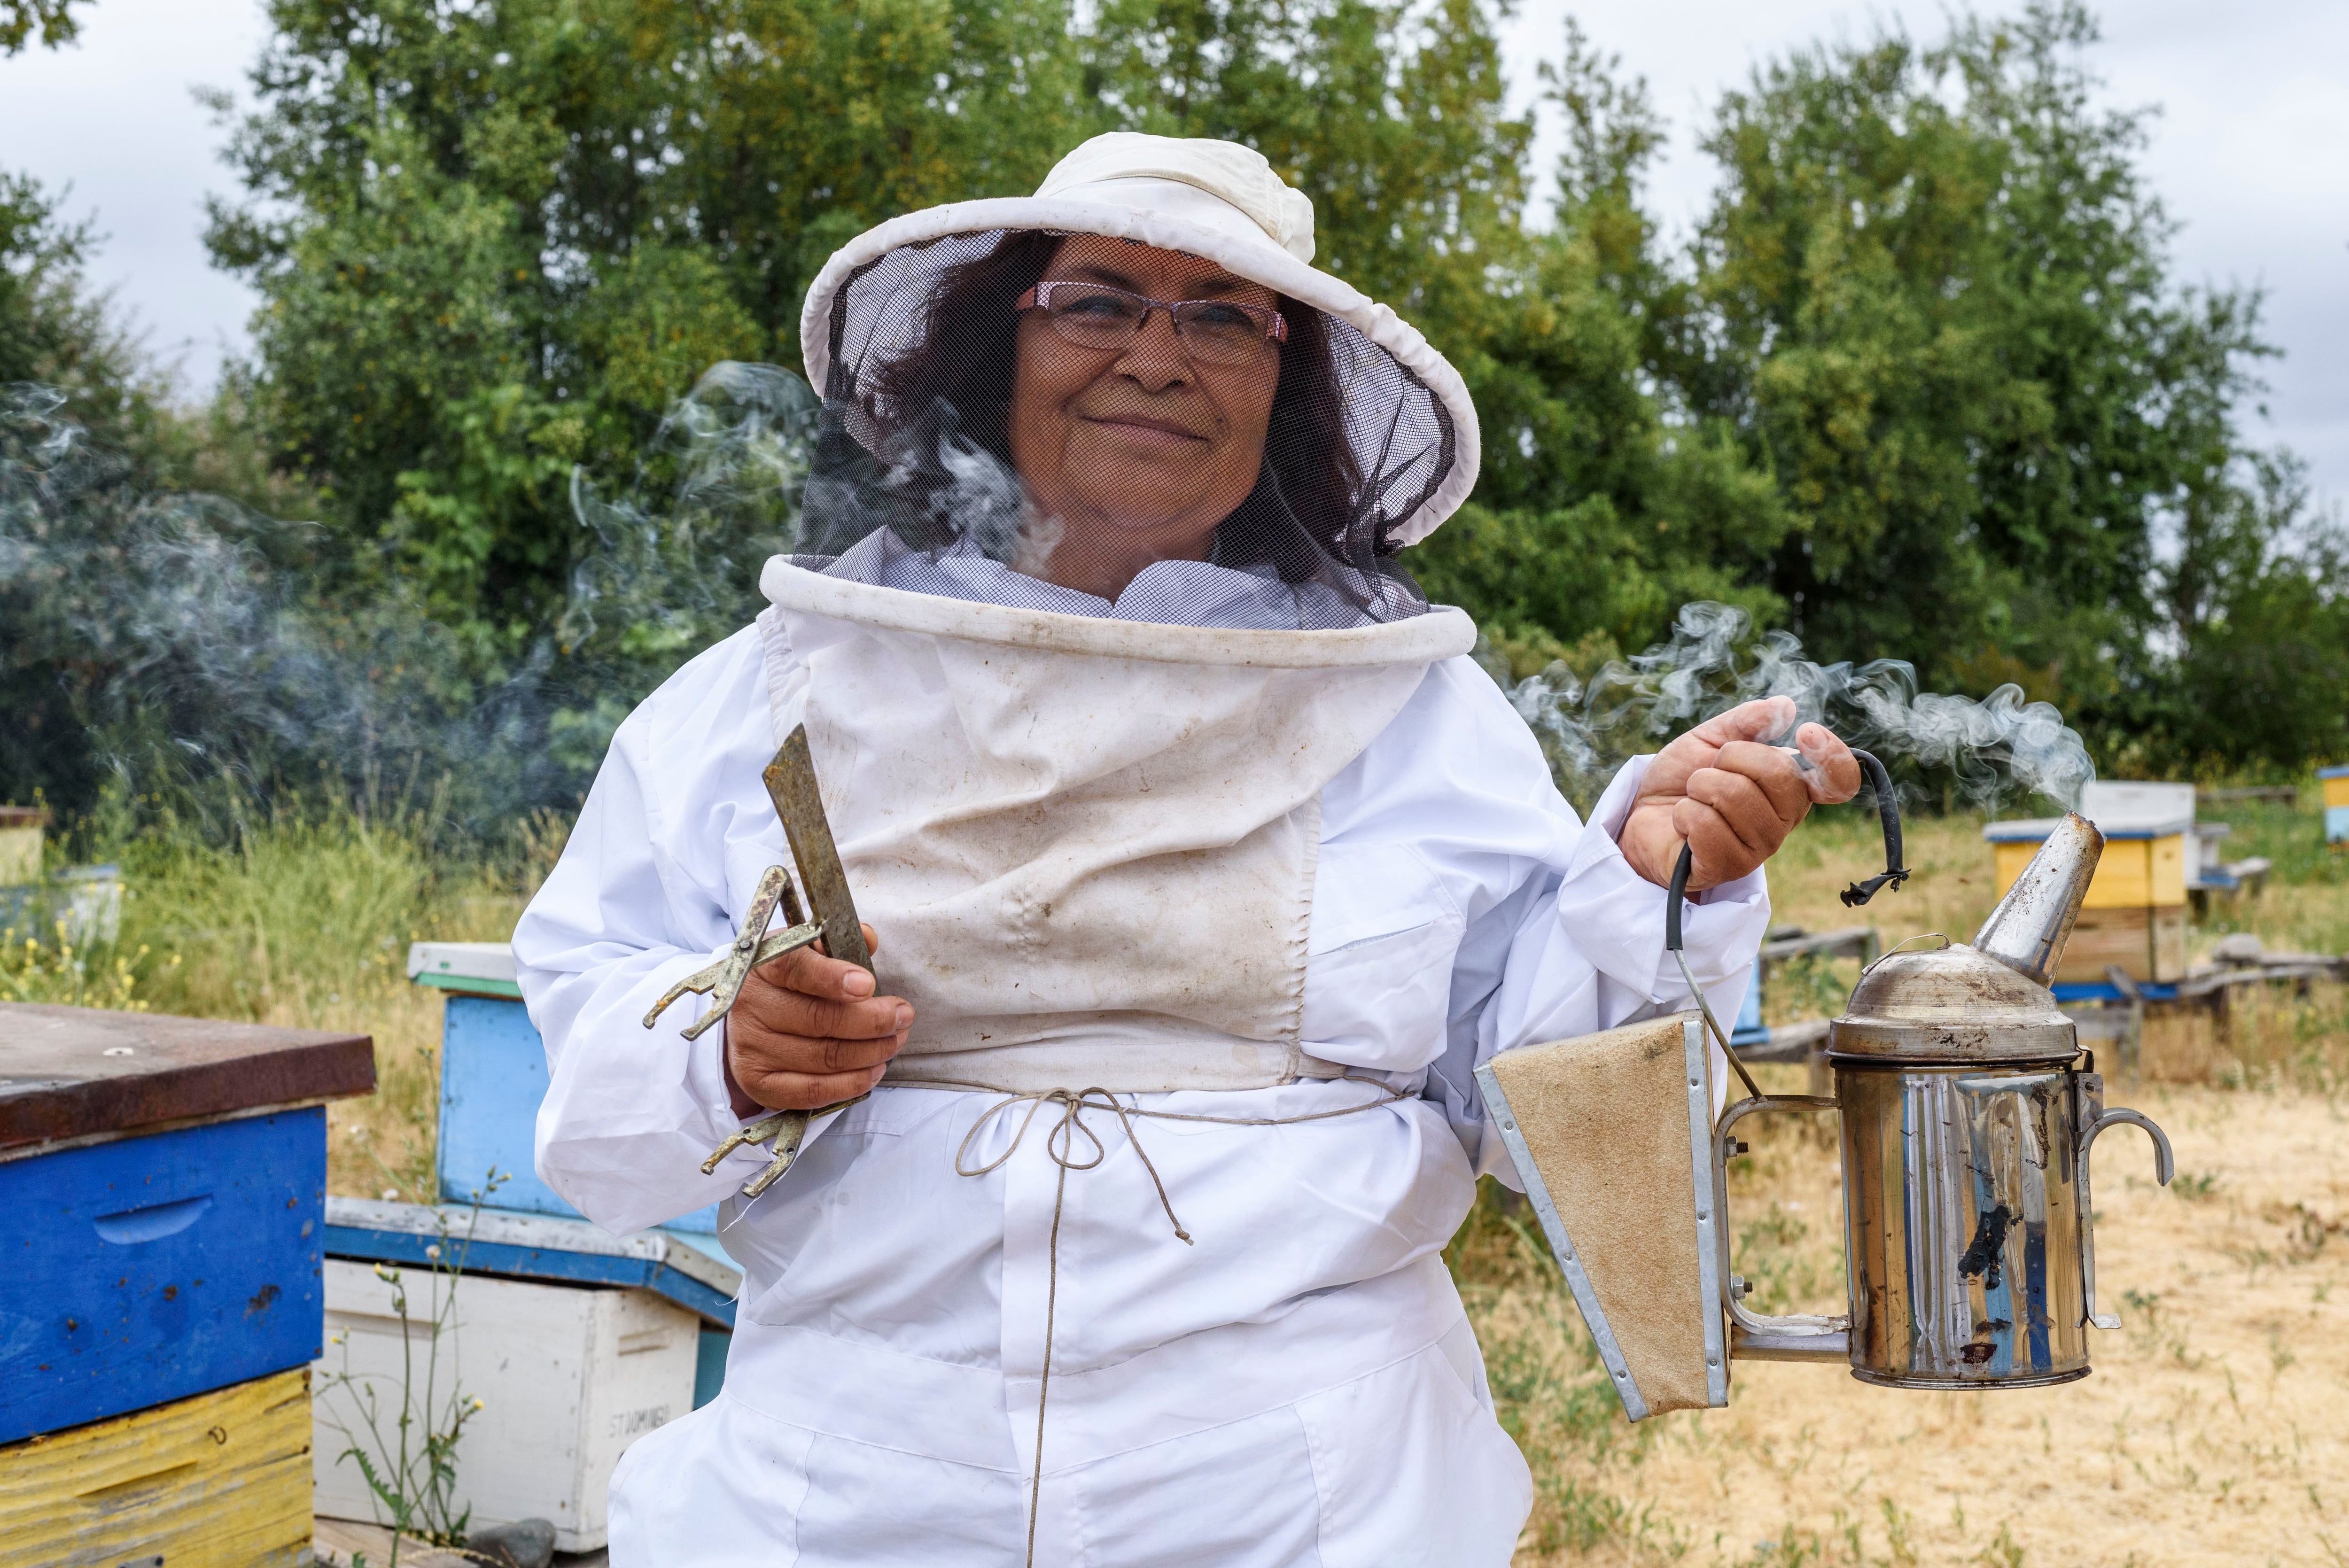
791	785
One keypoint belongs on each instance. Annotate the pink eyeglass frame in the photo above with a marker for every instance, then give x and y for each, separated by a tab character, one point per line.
1276	326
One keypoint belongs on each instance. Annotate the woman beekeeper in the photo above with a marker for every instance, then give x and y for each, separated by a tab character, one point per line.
1155	777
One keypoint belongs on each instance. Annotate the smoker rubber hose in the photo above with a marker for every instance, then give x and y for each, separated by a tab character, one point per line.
1887	811
1888	808
1673	897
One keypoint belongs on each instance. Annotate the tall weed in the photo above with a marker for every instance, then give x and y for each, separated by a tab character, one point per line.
63	972
299	913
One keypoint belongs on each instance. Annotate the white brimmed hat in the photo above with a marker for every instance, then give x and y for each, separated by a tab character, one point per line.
1215	200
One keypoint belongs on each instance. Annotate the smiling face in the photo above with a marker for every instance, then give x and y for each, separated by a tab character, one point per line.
1137	453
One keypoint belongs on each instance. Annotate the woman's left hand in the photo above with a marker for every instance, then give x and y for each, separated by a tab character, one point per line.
1732	799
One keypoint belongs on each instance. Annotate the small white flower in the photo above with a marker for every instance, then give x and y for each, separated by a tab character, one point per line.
391	1194
433	1251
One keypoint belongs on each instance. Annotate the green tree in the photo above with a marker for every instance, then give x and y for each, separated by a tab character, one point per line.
494	242
1600	511
1391	116
49	331
1923	387
53	329
1933	297
48	22
2258	596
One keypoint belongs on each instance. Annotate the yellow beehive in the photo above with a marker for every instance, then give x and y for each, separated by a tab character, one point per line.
2134	873
2135	912
216	1480
20	844
2336	786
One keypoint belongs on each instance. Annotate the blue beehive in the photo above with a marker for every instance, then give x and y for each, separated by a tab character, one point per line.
165	1183
492	1080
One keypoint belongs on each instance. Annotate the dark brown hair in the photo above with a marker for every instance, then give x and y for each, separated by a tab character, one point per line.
1307	504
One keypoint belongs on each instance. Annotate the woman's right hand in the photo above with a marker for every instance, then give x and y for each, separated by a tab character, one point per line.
806	1031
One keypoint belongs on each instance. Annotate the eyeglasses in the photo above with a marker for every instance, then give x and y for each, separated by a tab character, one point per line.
1213	331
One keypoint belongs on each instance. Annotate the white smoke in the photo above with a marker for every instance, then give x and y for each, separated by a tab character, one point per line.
1992	749
991	506
196	639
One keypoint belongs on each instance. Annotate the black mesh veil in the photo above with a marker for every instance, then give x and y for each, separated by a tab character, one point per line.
915	453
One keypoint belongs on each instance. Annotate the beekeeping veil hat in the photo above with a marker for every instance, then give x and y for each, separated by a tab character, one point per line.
914	335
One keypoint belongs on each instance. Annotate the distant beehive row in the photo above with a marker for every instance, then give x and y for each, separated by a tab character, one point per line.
85	902
2156	857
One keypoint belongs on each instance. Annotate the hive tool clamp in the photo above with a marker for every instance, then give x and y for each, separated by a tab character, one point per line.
791	785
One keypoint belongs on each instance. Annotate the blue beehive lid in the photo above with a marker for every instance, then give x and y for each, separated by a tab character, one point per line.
2341	772
690	1270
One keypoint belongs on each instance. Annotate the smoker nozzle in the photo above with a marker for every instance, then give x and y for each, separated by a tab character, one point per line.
2029	929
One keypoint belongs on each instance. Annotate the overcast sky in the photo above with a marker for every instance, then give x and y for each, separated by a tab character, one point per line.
2251	152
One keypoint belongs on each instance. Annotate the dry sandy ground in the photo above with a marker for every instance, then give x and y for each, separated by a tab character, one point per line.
2213	1431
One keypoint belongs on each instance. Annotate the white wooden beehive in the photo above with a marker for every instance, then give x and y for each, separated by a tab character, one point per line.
568	1376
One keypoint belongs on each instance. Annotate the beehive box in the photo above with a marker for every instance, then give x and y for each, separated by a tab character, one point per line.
20	844
221	1479
568	1378
2336	804
686	1267
2135	912
164	1182
493	1078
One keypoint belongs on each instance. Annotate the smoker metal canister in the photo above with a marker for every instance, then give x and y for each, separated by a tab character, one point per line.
1967	1123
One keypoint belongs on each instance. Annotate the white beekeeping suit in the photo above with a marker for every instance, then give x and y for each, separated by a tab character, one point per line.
1243	840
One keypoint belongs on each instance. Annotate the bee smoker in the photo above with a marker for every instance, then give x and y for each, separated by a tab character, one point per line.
1968	1114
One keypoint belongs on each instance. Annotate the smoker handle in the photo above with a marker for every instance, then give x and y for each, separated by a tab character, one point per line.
1799	1337
2165	1165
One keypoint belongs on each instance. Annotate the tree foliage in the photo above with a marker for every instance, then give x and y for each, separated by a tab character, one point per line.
1934	297
1600	512
48	23
496	240
1923	384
